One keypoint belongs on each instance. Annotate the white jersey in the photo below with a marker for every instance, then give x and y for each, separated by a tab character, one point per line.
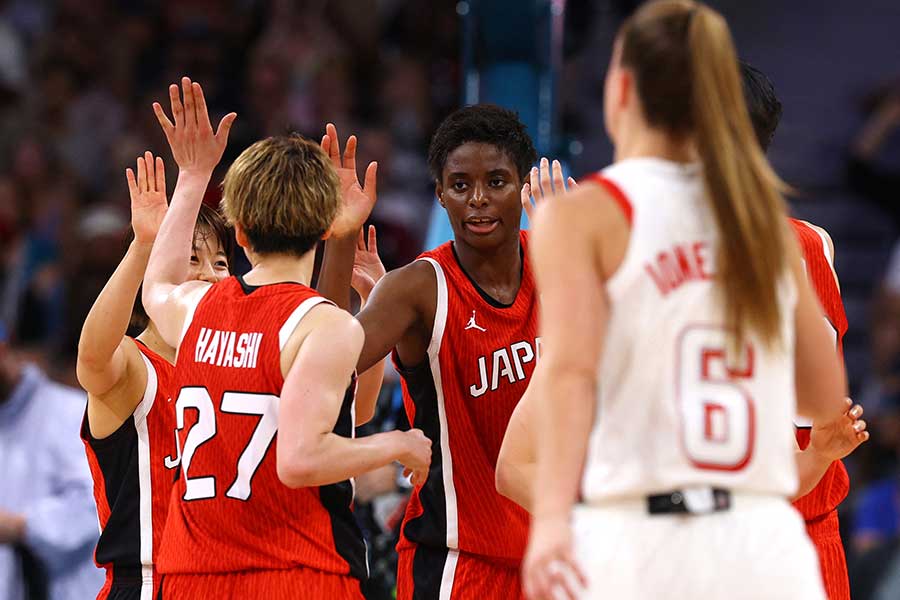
671	413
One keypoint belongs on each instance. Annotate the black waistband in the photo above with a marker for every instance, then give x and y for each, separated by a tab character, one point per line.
695	501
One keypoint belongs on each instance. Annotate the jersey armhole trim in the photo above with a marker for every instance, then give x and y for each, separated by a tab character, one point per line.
284	334
440	311
617	194
146	404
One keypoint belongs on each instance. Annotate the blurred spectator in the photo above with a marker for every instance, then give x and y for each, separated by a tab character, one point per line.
48	522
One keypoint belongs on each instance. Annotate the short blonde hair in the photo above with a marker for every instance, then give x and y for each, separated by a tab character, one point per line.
284	193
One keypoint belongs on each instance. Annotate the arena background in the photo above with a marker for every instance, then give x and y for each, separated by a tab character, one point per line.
77	78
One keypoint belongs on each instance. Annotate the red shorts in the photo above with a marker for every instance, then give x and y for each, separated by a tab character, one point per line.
287	584
429	573
826	537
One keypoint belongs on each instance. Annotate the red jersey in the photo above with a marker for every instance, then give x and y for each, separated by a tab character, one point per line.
835	485
133	472
229	511
480	359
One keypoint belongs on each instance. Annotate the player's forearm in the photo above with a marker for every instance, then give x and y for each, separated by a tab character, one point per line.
170	259
333	458
367	391
566	408
811	467
337	268
108	318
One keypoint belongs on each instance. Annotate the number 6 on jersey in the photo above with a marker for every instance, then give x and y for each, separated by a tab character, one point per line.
717	412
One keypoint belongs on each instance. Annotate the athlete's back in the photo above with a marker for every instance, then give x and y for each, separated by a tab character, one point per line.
230	512
699	420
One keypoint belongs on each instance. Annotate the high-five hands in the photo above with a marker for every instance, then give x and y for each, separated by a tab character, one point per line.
541	185
194	145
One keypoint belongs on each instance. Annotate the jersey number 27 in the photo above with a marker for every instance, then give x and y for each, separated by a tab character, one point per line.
264	406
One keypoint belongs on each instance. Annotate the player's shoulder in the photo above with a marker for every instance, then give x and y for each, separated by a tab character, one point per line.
820	233
408	283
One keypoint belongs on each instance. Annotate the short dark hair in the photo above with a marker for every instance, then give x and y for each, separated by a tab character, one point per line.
208	219
486	124
762	103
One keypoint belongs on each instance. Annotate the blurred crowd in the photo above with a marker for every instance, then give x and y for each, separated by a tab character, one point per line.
77	78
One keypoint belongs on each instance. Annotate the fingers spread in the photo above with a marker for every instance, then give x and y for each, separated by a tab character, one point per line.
350	153
164	121
370	185
190	113
141	174
373	240
225	128
177	108
151	171
160	175
132	184
200	103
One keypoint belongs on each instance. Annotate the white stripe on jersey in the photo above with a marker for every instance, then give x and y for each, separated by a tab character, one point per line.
434	349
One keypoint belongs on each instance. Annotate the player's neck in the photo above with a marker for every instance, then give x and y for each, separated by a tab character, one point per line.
499	268
656	144
279	268
151	338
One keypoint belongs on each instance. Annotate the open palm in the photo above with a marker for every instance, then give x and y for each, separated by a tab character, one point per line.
367	266
357	200
148	197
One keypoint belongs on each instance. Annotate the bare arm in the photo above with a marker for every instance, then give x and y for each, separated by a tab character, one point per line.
819	377
357	202
567	256
102	352
309	452
397	314
517	463
197	150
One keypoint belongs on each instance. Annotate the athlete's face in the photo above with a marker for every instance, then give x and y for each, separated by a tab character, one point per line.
480	188
208	260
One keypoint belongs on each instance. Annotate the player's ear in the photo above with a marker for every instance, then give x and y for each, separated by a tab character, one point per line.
328	232
439	192
240	236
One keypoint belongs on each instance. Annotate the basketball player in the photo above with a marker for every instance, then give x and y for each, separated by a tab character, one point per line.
461	321
818	462
679	261
824	482
260	354
129	423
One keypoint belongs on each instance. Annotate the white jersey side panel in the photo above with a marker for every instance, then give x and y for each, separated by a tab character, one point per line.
672	410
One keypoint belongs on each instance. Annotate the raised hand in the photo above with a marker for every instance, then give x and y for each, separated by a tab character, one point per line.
148	197
194	145
541	184
837	439
367	266
357	200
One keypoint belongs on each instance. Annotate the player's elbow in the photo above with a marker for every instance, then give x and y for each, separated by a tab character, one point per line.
297	473
502	478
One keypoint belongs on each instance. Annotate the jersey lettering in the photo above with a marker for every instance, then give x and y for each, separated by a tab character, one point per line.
227	348
506	365
680	264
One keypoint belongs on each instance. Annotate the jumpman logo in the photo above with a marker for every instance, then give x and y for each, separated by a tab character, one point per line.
473	325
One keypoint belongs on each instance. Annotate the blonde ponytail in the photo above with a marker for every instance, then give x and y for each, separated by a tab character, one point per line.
743	190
